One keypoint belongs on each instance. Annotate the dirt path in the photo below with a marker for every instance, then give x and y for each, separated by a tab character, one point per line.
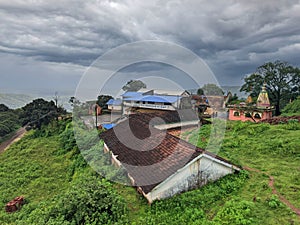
274	191
17	136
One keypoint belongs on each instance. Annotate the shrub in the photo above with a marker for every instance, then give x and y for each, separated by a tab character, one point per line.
235	211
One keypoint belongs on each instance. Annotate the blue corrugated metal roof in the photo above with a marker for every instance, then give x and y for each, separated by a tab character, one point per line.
108	126
110	102
155	98
114	102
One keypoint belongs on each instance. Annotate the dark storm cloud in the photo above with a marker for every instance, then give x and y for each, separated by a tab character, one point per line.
233	37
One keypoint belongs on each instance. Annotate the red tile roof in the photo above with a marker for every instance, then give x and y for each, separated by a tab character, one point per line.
149	155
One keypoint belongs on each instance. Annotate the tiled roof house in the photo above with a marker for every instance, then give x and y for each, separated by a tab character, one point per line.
158	163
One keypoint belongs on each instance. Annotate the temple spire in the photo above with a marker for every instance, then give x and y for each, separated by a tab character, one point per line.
263	98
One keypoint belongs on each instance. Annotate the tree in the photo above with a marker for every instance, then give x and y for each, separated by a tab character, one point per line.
103	99
40	112
233	99
200	91
9	120
74	101
212	89
90	201
282	83
293	108
134	85
3	108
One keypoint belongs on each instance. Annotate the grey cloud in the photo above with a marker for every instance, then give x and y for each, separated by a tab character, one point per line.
233	37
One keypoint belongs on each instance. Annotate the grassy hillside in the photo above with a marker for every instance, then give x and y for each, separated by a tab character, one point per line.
272	149
47	169
60	188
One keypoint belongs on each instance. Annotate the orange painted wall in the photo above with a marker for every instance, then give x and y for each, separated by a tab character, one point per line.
242	117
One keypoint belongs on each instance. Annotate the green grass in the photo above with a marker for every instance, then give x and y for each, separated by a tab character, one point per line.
39	168
30	168
273	149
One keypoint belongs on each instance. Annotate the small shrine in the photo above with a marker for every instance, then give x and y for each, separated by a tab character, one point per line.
249	111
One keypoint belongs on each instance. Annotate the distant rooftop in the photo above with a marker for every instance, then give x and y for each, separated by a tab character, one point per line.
114	102
154	98
132	94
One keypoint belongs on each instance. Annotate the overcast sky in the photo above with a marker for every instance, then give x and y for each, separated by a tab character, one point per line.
48	45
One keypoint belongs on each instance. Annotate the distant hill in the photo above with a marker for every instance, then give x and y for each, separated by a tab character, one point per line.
15	101
226	89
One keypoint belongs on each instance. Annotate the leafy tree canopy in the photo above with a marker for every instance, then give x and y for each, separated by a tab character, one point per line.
200	91
134	85
282	82
9	120
293	107
103	99
3	108
40	112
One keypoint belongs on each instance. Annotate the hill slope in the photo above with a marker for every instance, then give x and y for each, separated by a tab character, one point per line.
46	167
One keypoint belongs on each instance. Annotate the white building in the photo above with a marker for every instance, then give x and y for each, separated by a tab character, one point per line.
154	99
114	104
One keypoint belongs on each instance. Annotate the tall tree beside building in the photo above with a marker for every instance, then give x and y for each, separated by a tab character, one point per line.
134	85
282	83
102	100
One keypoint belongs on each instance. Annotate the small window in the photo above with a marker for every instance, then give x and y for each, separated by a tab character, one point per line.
236	113
151	102
257	116
247	114
167	103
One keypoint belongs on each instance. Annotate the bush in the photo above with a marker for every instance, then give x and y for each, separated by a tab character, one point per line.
273	202
90	201
235	211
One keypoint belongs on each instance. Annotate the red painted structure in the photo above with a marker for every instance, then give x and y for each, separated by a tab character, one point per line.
15	204
252	112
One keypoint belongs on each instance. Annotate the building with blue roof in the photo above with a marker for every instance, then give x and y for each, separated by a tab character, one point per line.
114	104
150	99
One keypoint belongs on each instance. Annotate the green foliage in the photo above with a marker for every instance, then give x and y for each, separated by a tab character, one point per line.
53	194
40	112
235	211
282	82
191	207
273	202
200	91
102	100
47	168
3	108
9	121
292	124
90	201
293	108
233	99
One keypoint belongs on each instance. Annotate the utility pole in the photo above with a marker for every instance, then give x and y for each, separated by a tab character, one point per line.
96	114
